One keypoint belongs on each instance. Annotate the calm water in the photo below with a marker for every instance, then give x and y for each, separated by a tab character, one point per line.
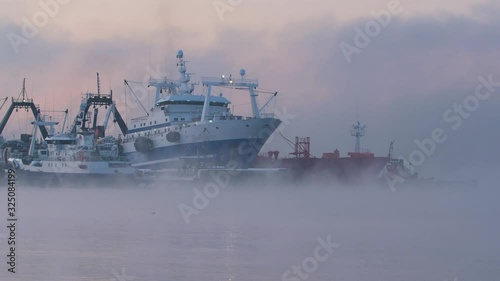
255	234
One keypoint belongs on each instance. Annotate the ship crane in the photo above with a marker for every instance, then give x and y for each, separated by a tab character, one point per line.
90	99
3	102
23	102
133	93
268	101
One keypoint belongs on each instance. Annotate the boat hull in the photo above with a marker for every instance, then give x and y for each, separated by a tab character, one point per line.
343	170
213	144
73	173
40	179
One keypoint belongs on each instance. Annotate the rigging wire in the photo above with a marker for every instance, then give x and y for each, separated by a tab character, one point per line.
289	142
274	107
18	123
126	104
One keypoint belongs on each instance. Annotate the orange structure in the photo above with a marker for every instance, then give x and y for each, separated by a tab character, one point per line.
331	155
302	148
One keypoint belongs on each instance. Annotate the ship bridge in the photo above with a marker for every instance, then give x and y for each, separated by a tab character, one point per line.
192	100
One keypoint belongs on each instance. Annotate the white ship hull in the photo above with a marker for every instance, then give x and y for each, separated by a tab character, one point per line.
216	142
73	173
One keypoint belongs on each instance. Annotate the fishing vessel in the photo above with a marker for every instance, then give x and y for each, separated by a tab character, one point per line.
74	160
81	156
184	129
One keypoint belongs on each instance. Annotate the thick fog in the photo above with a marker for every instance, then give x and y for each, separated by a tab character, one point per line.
257	232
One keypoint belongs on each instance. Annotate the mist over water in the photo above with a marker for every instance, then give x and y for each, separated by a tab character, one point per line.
256	233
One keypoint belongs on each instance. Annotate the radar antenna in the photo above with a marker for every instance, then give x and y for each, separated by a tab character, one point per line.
358	131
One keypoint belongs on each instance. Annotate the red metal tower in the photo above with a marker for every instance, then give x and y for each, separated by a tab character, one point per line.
302	147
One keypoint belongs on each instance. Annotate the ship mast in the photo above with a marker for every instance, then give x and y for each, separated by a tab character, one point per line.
358	131
98	84
391	150
184	77
23	91
173	87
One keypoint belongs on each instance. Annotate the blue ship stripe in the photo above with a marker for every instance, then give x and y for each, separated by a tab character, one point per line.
249	149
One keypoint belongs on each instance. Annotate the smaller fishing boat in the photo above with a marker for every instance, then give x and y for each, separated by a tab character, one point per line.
81	156
74	159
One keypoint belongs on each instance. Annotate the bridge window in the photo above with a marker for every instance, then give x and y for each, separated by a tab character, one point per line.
185	102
